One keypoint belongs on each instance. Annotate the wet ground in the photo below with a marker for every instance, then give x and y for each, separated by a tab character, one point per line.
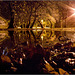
34	51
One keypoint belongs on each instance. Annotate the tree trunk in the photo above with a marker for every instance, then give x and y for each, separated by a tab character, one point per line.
29	21
33	22
12	17
11	23
29	18
40	24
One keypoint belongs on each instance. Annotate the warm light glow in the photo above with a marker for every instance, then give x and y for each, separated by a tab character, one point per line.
42	21
36	27
73	11
19	27
20	60
42	37
68	7
24	55
71	15
27	42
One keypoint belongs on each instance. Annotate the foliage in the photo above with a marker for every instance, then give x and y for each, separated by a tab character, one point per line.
26	14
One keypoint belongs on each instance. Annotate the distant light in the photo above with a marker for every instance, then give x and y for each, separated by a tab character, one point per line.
19	27
24	55
67	60
42	37
42	21
73	11
20	60
71	62
19	35
27	42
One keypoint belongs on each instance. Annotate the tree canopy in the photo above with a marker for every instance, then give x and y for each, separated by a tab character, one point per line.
27	14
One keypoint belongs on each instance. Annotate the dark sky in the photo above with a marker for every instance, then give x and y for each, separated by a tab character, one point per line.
4	9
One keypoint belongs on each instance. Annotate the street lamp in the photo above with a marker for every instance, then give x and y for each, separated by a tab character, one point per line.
73	14
73	11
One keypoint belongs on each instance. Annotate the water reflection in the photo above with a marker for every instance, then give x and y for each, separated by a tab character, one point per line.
24	44
46	38
42	37
3	35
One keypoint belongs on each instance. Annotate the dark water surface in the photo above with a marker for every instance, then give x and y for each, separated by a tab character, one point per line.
20	44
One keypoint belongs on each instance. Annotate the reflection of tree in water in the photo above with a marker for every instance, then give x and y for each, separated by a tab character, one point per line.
48	38
36	36
8	42
3	35
11	35
26	36
33	37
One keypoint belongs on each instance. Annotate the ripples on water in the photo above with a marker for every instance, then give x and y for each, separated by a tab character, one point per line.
16	41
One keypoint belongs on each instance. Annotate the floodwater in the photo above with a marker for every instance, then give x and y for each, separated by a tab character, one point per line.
19	40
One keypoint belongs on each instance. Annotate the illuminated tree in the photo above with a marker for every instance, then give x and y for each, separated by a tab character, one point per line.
30	13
